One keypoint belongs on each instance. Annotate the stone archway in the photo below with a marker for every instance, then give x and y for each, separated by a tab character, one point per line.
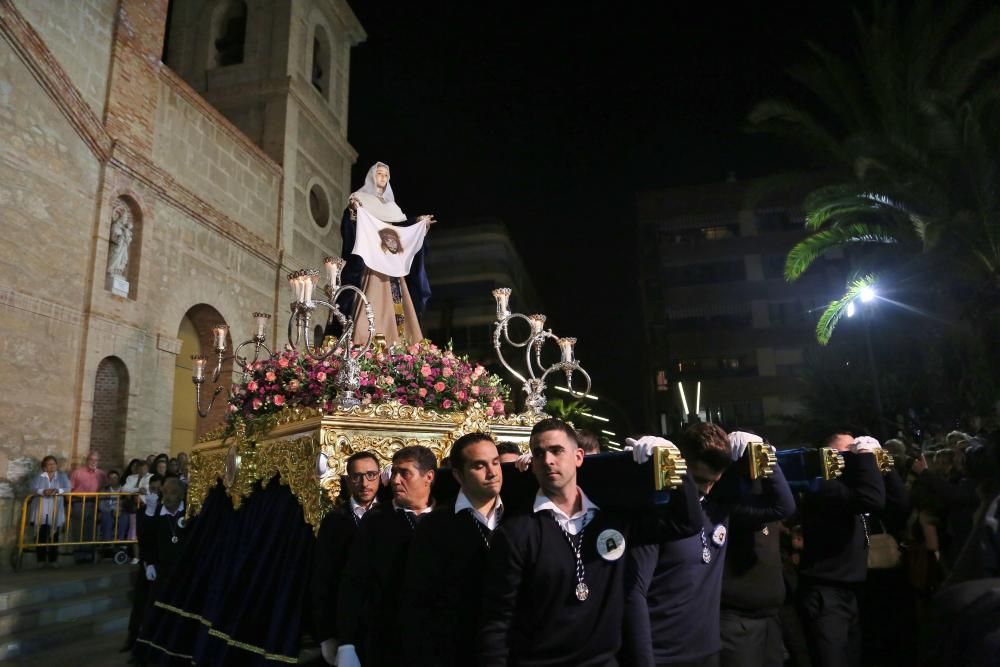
110	415
195	333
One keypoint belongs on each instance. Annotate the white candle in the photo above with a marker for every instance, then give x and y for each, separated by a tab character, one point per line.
261	320
537	323
220	331
566	346
502	295
198	370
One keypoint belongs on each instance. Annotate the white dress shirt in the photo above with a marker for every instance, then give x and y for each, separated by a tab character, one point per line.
491	520
359	509
571	524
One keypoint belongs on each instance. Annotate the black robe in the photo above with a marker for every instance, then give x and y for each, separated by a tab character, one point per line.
371	588
333	543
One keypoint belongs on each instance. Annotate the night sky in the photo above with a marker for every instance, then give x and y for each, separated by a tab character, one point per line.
552	116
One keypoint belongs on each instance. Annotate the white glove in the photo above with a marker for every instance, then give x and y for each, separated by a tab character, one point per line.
347	656
865	444
738	441
328	649
642	448
386	475
523	462
150	573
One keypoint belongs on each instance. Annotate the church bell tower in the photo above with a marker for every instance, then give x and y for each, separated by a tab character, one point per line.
279	70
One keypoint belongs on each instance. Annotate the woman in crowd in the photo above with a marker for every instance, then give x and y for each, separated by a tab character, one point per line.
48	512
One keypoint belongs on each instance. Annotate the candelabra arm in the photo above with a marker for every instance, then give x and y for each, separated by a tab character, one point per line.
197	397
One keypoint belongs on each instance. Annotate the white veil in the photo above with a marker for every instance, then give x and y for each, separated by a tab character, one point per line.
384	208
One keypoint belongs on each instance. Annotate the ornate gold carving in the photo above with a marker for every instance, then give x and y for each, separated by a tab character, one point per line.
289	444
884	460
668	466
832	462
762	458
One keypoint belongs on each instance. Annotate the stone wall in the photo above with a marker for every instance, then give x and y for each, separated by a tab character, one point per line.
197	145
78	32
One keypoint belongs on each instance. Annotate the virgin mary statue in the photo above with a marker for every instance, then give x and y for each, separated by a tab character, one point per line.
384	251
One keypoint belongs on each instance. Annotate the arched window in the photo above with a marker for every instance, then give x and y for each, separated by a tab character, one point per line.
195	332
320	68
229	32
107	426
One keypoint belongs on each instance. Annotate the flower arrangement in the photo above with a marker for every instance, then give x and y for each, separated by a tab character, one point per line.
421	375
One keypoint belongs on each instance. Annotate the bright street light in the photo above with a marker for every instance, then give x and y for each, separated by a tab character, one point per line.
851	309
867	294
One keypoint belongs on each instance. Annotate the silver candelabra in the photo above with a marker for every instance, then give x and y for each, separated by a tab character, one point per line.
534	383
302	284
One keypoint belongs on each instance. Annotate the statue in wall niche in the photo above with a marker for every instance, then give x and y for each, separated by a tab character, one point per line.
384	250
121	238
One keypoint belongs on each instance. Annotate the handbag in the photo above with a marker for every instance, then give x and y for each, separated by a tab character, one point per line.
883	551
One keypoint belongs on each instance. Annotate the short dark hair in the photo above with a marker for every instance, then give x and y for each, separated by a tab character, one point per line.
357	456
156	478
115	473
49	458
422	456
707	443
456	457
588	441
551	424
508	448
833	436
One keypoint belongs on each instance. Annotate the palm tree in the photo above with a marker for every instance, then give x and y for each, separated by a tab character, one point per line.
910	124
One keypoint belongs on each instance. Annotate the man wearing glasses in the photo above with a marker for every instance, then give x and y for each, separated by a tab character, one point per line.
336	534
370	596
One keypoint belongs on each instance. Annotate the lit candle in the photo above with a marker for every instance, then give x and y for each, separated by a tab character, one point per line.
198	370
566	346
334	265
537	323
502	295
293	283
311	279
261	320
219	331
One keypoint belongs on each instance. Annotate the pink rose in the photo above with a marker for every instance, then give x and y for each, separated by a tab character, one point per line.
460	395
475	390
283	362
446	404
252	385
257	403
489	412
447	372
422	392
232	408
425	370
270	376
439	386
387	380
321	376
279	399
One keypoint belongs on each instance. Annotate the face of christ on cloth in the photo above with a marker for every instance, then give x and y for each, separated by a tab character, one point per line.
391	243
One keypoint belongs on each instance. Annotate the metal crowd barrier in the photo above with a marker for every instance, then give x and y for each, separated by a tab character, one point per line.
79	522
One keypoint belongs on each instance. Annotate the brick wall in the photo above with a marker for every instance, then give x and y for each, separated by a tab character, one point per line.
107	428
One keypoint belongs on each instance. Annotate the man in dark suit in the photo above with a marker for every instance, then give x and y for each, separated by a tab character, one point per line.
368	620
336	534
446	568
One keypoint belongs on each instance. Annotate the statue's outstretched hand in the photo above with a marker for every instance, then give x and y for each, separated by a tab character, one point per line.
428	220
354	203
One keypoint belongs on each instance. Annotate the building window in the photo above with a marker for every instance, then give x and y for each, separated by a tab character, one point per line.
773	266
319	206
661	381
230	33
319	74
778	221
706	273
695	235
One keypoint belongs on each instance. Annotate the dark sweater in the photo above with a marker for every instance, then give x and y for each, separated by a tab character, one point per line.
336	534
443	590
531	616
372	584
159	547
753	581
835	549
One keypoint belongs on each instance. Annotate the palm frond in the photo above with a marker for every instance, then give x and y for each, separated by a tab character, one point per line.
808	250
837	309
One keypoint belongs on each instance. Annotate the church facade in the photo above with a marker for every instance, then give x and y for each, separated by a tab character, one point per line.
163	165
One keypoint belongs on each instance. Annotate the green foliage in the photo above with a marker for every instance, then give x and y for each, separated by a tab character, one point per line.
909	127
